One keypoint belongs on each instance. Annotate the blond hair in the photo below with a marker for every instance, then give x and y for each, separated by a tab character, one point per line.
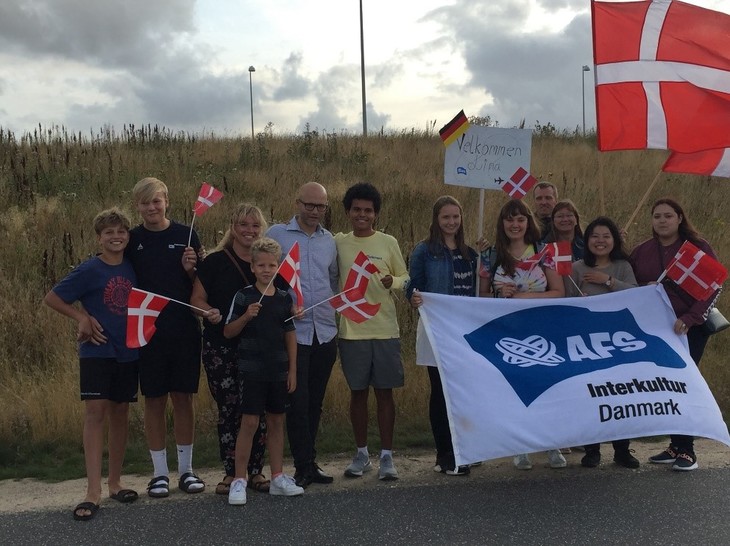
110	218
242	211
265	245
145	189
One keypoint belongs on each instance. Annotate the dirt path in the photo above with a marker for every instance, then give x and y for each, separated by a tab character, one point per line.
414	467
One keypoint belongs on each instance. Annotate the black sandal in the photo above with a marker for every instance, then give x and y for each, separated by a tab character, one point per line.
90	506
159	487
189	483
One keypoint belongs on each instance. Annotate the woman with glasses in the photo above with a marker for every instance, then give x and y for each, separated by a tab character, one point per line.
220	276
565	226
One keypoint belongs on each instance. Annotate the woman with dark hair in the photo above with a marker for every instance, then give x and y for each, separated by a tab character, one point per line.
444	264
670	229
604	268
220	276
565	226
519	274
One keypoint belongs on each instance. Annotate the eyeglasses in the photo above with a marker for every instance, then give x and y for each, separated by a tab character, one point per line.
311	206
564	216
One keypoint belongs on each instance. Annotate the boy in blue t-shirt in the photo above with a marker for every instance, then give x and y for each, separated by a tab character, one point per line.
108	369
267	365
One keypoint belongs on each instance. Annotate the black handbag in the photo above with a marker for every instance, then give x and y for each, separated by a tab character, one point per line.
716	322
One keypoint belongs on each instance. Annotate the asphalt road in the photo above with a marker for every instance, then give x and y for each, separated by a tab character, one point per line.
561	508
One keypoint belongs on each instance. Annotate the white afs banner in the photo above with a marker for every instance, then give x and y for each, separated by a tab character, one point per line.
486	157
521	376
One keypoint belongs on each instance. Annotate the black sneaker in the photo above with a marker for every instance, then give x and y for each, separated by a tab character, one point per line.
303	477
668	456
318	475
623	457
685	461
591	459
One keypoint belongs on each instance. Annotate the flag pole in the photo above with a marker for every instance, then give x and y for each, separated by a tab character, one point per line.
600	185
323	301
641	202
480	233
176	301
190	237
576	286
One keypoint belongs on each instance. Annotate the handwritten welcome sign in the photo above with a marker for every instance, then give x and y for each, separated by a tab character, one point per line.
484	157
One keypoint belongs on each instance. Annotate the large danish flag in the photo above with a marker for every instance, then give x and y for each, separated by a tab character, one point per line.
207	197
143	308
709	162
662	76
290	271
697	273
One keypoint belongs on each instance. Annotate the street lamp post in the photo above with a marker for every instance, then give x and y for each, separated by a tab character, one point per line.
251	70
362	76
586	68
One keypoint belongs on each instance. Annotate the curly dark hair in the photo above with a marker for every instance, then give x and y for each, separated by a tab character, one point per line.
364	191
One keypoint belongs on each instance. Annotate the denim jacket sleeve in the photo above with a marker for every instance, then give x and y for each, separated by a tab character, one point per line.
417	269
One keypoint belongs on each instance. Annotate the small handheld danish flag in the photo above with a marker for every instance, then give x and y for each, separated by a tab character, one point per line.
289	271
143	308
696	272
207	197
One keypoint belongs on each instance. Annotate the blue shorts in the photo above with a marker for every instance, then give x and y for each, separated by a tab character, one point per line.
108	379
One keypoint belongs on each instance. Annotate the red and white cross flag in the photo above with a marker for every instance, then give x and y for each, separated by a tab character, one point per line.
207	197
290	272
360	272
143	308
561	254
697	273
519	184
352	304
662	73
707	162
529	263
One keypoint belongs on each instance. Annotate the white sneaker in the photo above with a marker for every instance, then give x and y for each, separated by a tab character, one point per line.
522	461
359	465
556	459
237	492
285	486
387	471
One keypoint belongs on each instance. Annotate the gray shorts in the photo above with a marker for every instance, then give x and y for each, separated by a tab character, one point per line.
371	362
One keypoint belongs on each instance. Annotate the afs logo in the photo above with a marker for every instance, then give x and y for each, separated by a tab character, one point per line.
537	348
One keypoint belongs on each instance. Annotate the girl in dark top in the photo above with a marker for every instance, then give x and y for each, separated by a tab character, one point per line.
670	229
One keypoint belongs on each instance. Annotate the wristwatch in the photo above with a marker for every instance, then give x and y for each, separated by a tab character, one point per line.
609	282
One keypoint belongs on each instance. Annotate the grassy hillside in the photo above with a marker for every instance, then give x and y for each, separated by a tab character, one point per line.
53	183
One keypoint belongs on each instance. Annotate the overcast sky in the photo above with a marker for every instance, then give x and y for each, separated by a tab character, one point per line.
184	64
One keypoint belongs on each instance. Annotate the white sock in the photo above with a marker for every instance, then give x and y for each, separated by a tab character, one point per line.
385	452
184	459
159	462
364	451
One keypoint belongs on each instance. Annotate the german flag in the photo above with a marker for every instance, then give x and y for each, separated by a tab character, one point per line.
454	129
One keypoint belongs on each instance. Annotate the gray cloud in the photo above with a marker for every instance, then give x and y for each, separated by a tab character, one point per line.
293	85
530	76
111	34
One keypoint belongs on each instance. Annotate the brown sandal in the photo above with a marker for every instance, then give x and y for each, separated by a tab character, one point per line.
224	486
261	484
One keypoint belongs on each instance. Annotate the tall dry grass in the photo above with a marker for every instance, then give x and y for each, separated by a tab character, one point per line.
52	183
